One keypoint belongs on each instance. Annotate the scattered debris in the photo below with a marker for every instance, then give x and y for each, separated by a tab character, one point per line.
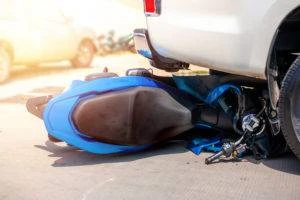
198	144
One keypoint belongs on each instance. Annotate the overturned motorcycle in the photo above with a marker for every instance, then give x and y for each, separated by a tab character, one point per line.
109	114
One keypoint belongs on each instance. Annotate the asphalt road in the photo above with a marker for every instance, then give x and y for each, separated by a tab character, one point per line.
33	168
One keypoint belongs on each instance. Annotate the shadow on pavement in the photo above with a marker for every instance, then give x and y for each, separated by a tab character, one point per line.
287	163
69	156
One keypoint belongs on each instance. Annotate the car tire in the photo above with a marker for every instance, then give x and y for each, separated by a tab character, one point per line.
5	64
289	107
85	54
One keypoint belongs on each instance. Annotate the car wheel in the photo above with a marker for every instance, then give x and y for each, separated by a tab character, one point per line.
289	107
5	63
85	54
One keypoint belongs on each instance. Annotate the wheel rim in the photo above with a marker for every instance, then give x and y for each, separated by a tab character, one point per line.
295	107
85	53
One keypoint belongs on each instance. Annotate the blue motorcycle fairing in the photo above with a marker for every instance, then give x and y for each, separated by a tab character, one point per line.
192	87
199	144
58	112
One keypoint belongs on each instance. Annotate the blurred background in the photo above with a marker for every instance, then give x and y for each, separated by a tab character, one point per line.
105	15
58	33
49	43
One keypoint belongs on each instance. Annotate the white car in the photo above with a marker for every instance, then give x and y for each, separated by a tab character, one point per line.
246	38
36	31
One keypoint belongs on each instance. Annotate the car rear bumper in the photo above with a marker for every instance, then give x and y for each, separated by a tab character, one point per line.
144	47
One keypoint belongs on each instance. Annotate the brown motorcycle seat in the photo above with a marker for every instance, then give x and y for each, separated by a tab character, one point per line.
134	116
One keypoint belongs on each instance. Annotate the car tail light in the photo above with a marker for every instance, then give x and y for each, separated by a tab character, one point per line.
152	7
